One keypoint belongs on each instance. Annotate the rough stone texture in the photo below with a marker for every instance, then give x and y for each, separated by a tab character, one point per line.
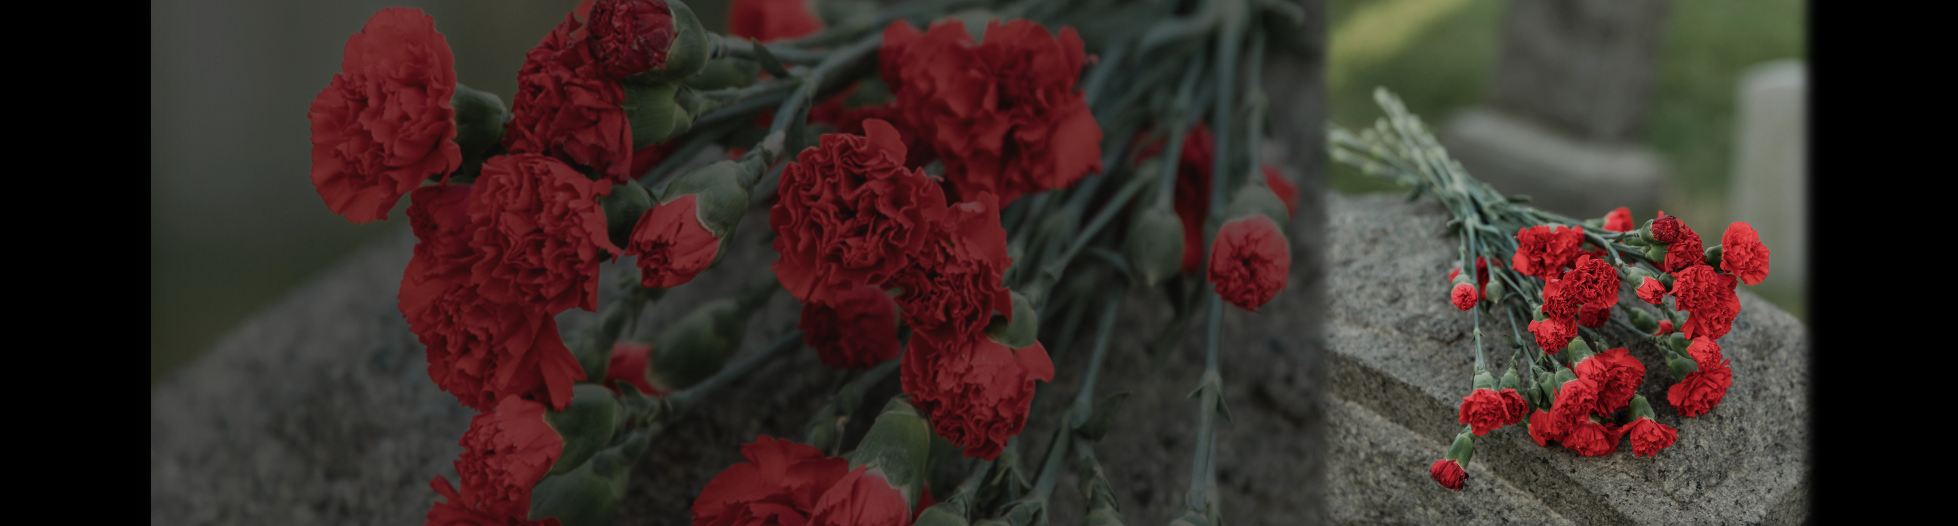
320	410
1400	353
1585	68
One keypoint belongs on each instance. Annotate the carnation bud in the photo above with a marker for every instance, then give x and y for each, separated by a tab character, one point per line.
1577	351
1678	343
1644	321
1558	379
1494	291
1155	244
1681	365
1509	379
1656	253
1713	256
1256	198
1019	331
688	53
585	424
724	72
588	495
655	113
479	126
1463	448
723	198
1541	394
1645	233
898	445
1641	408
1483	380
697	345
623	208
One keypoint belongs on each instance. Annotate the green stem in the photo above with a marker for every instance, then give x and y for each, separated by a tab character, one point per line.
679	403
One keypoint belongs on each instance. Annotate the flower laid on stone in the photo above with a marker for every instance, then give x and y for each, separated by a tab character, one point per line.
1563	285
935	178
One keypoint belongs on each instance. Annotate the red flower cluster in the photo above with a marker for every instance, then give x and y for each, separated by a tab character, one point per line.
1251	261
852	222
567	107
1484	410
1701	390
480	350
1709	300
1616	374
385	122
505	453
1003	115
785	483
1743	255
857	330
772	20
1683	247
1544	251
849	213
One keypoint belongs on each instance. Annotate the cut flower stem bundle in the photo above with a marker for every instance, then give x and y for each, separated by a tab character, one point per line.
953	188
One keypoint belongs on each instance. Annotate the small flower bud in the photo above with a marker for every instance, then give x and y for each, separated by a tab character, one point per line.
1641	408
585	425
587	495
897	446
623	208
1494	291
655	113
1155	244
697	345
1645	233
1021	329
1713	256
1678	343
1509	379
724	197
479	126
1656	253
1577	351
1644	321
1681	365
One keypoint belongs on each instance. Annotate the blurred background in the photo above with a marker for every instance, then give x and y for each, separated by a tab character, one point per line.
1692	107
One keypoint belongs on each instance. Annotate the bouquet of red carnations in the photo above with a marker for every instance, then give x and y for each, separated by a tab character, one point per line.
1562	280
931	171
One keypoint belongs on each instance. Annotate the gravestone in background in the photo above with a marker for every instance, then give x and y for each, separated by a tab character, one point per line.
1770	178
1567	107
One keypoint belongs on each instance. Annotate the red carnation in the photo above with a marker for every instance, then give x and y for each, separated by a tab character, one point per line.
1665	326
1560	300
1003	115
505	453
976	391
1619	220
567	108
851	214
1652	291
778	485
478	350
629	37
1448	473
1592	281
772	20
1648	436
540	233
1616	374
671	244
628	365
1593	316
384	124
1484	410
861	498
1683	247
1575	399
1463	296
856	330
1554	333
1518	407
1545	427
954	286
1590	438
1543	251
1709	300
1250	262
1742	254
1705	352
1701	390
